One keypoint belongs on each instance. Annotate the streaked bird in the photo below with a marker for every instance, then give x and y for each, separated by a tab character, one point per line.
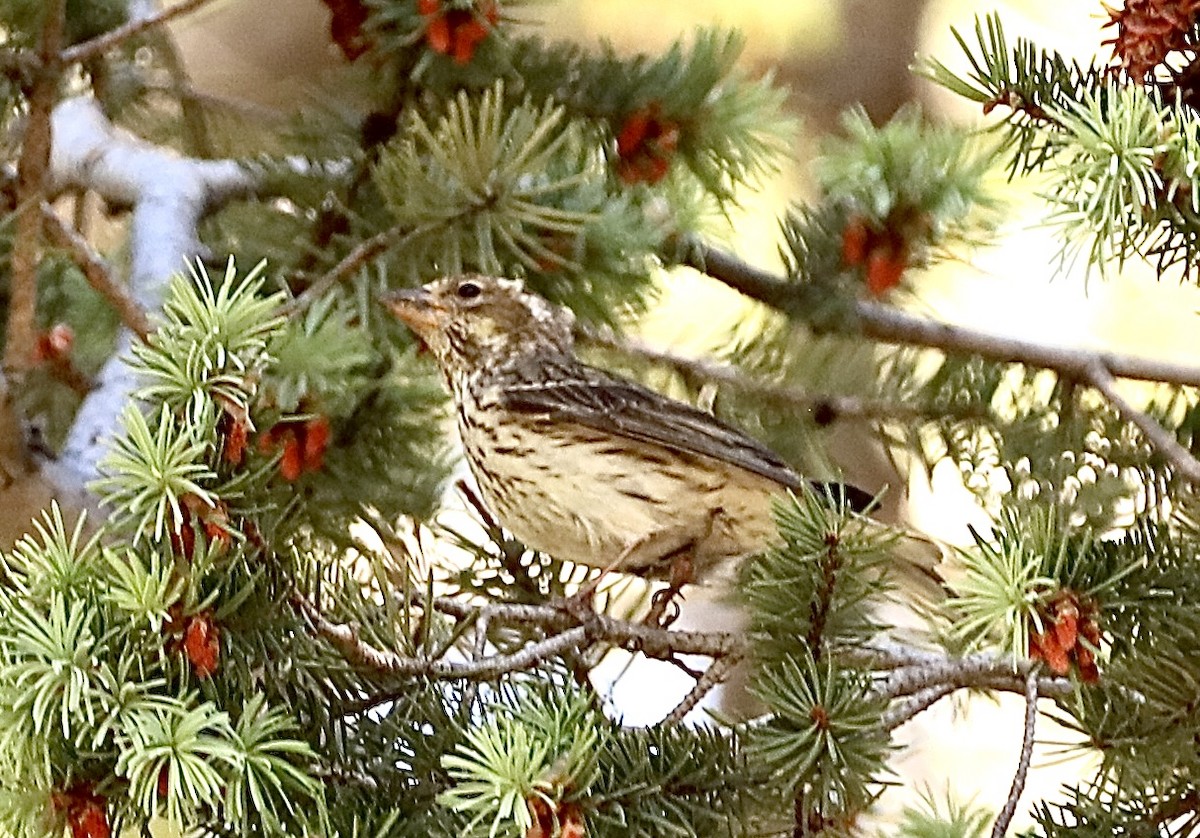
583	464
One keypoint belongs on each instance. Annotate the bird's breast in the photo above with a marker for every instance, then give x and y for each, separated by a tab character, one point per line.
585	495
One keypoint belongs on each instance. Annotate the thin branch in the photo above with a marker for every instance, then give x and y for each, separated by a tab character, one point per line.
1158	436
346	640
96	271
477	653
363	253
914	706
31	188
825	408
919	672
103	43
651	641
181	89
65	372
713	677
753	282
687	669
889	325
979	670
1018	102
1018	784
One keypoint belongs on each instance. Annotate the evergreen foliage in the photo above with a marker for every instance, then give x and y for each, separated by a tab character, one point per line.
268	631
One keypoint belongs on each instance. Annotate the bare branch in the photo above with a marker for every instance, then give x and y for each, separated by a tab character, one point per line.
825	408
96	271
1158	436
364	252
103	43
346	640
890	325
31	188
654	642
979	670
716	673
181	89
926	675
1018	784
916	705
169	195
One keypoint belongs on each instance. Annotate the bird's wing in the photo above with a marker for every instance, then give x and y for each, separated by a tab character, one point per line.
578	393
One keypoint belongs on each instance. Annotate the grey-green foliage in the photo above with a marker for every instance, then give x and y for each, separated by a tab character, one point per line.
815	591
1122	158
92	638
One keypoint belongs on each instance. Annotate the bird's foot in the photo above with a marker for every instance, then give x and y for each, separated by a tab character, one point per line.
664	605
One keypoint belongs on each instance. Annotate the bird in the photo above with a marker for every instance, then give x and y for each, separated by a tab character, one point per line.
586	465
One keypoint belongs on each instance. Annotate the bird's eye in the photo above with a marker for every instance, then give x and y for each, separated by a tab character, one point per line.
469	290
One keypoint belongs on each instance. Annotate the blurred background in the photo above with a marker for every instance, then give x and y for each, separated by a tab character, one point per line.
830	55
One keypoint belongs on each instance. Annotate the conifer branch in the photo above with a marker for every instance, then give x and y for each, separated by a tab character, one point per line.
31	188
916	671
364	252
103	43
1018	784
346	640
97	272
916	705
652	641
912	676
709	680
1156	434
890	325
826	408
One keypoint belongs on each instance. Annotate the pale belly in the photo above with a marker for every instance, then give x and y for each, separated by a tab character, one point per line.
583	502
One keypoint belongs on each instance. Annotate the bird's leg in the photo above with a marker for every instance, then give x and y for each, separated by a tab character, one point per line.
664	609
643	553
579	604
681	573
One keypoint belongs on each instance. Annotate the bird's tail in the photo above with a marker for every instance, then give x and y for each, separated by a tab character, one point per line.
919	558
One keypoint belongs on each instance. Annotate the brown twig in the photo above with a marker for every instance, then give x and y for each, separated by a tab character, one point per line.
1158	436
102	43
1017	102
651	641
64	371
890	325
96	271
1018	784
346	640
31	188
920	672
825	408
364	252
712	678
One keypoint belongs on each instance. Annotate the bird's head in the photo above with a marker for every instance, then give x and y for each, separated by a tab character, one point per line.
474	321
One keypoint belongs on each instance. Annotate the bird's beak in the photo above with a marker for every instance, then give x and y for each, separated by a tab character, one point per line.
414	307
